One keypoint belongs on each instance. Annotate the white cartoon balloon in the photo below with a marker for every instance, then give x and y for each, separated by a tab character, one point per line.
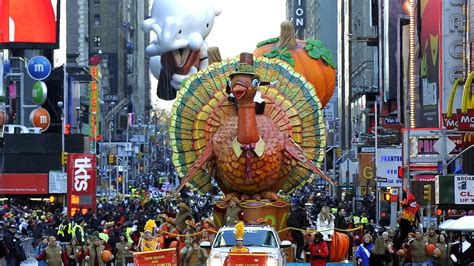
178	47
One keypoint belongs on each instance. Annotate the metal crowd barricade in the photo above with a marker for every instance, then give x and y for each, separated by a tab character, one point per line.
27	244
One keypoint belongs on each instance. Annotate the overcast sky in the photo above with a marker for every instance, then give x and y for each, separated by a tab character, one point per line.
239	27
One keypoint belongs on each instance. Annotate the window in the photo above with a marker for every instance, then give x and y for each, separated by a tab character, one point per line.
96	1
97	19
97	41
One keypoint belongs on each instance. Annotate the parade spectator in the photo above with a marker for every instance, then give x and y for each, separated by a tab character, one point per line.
462	252
325	223
40	248
408	258
298	220
380	254
16	254
363	251
384	220
318	250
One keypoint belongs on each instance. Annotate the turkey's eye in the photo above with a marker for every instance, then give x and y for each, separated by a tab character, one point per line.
255	83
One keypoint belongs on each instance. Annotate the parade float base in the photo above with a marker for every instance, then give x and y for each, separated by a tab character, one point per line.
274	213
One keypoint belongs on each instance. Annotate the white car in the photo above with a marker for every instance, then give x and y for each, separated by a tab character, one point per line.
257	238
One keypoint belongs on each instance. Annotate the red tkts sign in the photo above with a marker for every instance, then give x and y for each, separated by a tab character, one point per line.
81	182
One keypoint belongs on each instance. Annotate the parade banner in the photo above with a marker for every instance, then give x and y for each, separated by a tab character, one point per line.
162	257
246	259
464	189
81	182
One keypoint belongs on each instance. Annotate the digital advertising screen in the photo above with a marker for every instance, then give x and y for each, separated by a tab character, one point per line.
29	24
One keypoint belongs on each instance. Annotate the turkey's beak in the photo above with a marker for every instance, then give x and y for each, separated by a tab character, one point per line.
239	90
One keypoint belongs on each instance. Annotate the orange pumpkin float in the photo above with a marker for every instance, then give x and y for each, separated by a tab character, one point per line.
339	247
106	256
309	58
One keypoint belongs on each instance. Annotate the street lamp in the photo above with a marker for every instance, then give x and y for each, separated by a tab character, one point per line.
63	125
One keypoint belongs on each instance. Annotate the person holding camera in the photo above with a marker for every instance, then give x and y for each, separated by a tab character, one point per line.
318	250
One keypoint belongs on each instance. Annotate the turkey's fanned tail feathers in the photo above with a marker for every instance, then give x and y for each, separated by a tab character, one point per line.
202	106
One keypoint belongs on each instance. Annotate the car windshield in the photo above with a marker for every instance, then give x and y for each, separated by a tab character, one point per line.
252	237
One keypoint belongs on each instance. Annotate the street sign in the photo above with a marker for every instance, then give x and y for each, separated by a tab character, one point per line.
381	179
39	67
449	146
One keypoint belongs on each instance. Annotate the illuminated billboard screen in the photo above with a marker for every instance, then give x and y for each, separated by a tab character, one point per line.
29	24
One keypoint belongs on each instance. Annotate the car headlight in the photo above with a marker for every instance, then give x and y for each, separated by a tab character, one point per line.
215	260
272	260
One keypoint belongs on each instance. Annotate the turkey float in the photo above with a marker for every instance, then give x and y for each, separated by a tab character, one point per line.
253	124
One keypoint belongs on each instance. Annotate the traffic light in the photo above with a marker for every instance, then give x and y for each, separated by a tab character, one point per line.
52	199
427	193
400	172
120	179
67	129
63	158
386	196
112	159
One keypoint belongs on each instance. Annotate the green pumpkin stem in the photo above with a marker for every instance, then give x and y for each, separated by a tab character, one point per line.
287	37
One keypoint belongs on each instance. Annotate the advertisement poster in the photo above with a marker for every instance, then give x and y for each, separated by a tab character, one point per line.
162	257
366	168
428	52
392	46
29	24
464	189
388	161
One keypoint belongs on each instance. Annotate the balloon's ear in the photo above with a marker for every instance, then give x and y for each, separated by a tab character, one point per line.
217	8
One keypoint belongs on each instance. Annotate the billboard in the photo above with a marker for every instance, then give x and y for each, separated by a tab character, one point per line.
428	53
81	182
388	161
24	184
29	24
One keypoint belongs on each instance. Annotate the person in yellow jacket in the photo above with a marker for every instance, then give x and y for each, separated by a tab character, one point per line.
147	242
239	239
